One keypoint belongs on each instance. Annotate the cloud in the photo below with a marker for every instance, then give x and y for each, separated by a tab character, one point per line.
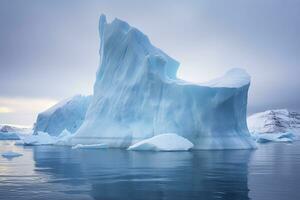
22	111
20	104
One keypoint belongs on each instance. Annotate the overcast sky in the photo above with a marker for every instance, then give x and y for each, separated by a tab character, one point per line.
49	48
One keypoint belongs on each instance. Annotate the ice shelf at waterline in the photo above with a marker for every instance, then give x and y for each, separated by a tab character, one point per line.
137	96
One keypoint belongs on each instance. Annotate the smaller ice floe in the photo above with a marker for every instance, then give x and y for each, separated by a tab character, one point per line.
163	142
41	138
90	146
10	154
273	137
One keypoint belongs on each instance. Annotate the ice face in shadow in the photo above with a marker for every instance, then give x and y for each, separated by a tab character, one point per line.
137	96
67	114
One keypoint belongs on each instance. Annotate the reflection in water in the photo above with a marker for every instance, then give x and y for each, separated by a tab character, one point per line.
272	172
119	174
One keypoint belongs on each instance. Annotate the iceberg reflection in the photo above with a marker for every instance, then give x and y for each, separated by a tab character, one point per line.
119	174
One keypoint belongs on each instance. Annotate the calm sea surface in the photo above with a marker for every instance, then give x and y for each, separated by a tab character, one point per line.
51	172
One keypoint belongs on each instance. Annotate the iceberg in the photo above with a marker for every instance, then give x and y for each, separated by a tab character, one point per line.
13	132
67	114
8	128
10	154
163	142
137	96
278	125
40	138
274	121
64	138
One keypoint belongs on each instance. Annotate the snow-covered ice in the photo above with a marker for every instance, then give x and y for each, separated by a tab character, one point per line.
67	114
274	121
10	154
138	96
90	146
40	138
64	138
163	142
275	126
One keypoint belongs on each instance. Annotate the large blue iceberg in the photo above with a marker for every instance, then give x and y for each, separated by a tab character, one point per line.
137	96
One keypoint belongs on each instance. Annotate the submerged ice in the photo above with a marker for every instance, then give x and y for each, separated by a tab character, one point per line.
138	96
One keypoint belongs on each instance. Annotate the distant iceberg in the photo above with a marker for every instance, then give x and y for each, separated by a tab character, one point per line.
13	132
274	121
278	125
137	96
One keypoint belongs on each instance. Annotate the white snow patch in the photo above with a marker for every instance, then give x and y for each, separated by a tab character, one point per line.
234	78
163	142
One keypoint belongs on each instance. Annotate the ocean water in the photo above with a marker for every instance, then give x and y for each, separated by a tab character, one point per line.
50	172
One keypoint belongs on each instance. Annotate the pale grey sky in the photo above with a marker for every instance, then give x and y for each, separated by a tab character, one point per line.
49	48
